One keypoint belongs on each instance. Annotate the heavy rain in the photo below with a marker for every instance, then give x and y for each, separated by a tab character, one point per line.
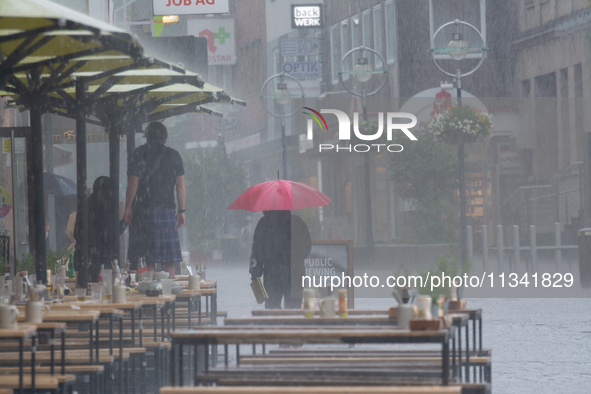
289	196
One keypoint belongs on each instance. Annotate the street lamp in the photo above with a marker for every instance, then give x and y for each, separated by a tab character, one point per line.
282	96
363	72
458	49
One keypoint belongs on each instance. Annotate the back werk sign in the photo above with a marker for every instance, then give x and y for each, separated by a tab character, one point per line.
306	16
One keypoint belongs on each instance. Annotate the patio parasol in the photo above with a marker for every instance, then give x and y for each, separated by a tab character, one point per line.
280	195
53	59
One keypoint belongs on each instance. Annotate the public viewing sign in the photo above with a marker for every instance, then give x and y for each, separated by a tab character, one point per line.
300	47
221	44
307	16
331	258
190	7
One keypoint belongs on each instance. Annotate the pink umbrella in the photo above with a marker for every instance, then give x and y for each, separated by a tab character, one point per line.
280	195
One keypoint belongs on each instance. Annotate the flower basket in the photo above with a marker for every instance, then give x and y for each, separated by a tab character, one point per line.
460	125
456	136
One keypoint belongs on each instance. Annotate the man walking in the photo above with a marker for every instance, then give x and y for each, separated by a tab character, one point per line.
154	172
281	243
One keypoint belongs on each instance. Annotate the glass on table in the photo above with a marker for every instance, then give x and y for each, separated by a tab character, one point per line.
96	290
60	283
148	276
107	285
80	295
166	287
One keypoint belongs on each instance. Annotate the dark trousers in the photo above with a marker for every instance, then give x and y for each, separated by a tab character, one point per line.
278	286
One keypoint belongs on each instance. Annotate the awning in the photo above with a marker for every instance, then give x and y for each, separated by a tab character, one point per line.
157	93
53	59
44	38
38	37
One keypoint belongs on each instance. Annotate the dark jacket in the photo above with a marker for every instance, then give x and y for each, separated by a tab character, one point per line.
100	233
281	242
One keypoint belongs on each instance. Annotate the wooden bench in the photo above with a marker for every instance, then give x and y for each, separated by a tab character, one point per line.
307	351
183	311
287	355
301	385
353	359
70	369
42	381
360	371
72	357
315	390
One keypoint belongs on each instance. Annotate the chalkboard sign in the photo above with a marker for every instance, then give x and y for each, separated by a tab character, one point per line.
331	258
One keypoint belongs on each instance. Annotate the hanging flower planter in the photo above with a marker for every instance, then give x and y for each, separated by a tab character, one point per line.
460	125
456	136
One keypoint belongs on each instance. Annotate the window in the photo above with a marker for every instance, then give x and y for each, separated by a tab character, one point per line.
345	48
334	54
355	42
366	30
578	81
390	21
378	34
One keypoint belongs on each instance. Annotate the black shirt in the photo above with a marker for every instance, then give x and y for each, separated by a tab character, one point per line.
157	167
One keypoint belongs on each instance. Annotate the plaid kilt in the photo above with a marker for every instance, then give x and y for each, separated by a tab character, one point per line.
154	235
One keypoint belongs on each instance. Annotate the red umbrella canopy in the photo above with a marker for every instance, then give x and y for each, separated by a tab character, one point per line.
280	195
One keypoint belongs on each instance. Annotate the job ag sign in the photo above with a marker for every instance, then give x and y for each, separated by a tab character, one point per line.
307	16
191	7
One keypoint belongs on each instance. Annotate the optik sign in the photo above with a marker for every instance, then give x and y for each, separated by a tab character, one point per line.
344	133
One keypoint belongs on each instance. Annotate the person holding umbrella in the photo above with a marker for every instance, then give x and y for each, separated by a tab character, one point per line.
281	240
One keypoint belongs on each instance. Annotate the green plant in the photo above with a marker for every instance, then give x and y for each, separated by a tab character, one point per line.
212	182
448	265
26	263
53	258
425	175
4	268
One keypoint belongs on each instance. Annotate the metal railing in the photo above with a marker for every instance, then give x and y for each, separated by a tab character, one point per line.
512	261
544	205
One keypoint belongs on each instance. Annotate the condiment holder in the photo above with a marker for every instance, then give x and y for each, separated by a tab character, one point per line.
119	294
35	311
194	282
8	316
327	307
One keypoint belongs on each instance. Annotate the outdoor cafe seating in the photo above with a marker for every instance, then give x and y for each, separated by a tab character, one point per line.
97	347
174	342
